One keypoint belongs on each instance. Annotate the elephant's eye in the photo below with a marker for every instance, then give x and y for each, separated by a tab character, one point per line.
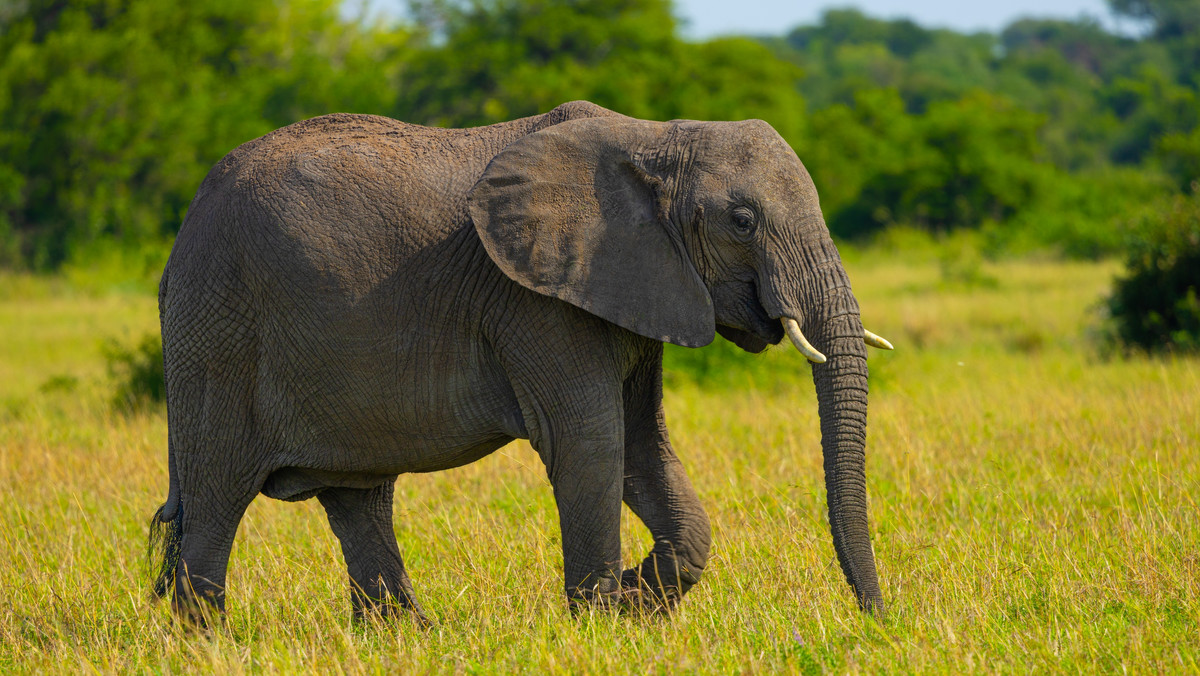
743	218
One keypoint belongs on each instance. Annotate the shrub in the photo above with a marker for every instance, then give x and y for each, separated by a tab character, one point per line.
1088	214
1155	306
137	372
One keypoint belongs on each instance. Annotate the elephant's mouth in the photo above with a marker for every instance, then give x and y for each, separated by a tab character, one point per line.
761	330
744	339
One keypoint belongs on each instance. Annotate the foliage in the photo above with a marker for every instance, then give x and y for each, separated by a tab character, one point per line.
1167	18
1148	107
1180	154
1155	305
494	60
1019	134
112	111
960	164
137	372
1087	214
485	62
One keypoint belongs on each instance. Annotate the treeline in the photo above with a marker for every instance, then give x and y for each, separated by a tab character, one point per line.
1052	134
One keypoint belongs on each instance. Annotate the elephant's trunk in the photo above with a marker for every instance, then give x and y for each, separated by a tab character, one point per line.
841	383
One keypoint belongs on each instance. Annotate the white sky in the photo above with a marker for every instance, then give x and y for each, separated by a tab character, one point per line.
707	18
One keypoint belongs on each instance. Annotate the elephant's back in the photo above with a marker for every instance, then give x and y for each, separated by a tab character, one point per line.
335	204
341	155
360	196
344	172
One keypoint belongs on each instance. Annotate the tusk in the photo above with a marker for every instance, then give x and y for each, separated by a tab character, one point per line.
801	343
876	341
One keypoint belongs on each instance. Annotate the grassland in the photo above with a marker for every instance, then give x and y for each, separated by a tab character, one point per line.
1034	508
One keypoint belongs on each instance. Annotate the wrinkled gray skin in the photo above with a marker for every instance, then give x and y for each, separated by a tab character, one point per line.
351	298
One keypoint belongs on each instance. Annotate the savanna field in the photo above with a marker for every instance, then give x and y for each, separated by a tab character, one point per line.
1033	504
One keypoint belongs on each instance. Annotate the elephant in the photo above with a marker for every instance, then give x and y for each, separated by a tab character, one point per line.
351	298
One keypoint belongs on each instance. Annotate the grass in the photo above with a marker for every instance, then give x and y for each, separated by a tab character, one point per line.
1033	509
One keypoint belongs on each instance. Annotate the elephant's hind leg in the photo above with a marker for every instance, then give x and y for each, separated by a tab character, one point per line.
210	522
362	520
217	460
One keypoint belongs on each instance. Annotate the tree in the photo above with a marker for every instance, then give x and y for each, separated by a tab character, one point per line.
1149	107
111	111
1167	18
962	163
1180	154
1176	25
492	60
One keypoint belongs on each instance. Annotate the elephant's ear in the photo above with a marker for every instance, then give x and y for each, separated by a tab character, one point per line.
569	212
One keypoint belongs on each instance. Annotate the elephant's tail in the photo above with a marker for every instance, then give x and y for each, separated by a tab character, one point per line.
166	526
166	535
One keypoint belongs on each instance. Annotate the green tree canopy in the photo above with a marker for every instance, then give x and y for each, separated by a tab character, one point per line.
1054	133
111	111
493	60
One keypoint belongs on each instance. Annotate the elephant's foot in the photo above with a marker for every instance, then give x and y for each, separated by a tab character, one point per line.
198	609
606	593
658	584
387	607
648	596
633	594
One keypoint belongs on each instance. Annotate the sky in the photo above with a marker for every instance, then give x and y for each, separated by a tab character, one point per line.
707	18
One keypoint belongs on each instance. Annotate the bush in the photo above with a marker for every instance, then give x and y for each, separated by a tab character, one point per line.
137	372
1088	214
1156	306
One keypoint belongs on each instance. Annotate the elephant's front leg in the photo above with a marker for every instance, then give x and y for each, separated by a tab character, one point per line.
658	491
568	377
586	474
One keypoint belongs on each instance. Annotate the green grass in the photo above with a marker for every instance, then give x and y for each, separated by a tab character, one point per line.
1033	509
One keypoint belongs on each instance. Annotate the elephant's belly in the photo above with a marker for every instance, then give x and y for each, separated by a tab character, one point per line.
397	442
294	483
433	460
300	483
380	408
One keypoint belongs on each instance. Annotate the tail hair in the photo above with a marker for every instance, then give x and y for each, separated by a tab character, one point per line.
162	553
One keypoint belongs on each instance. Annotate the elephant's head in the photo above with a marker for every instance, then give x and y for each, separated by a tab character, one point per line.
675	230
